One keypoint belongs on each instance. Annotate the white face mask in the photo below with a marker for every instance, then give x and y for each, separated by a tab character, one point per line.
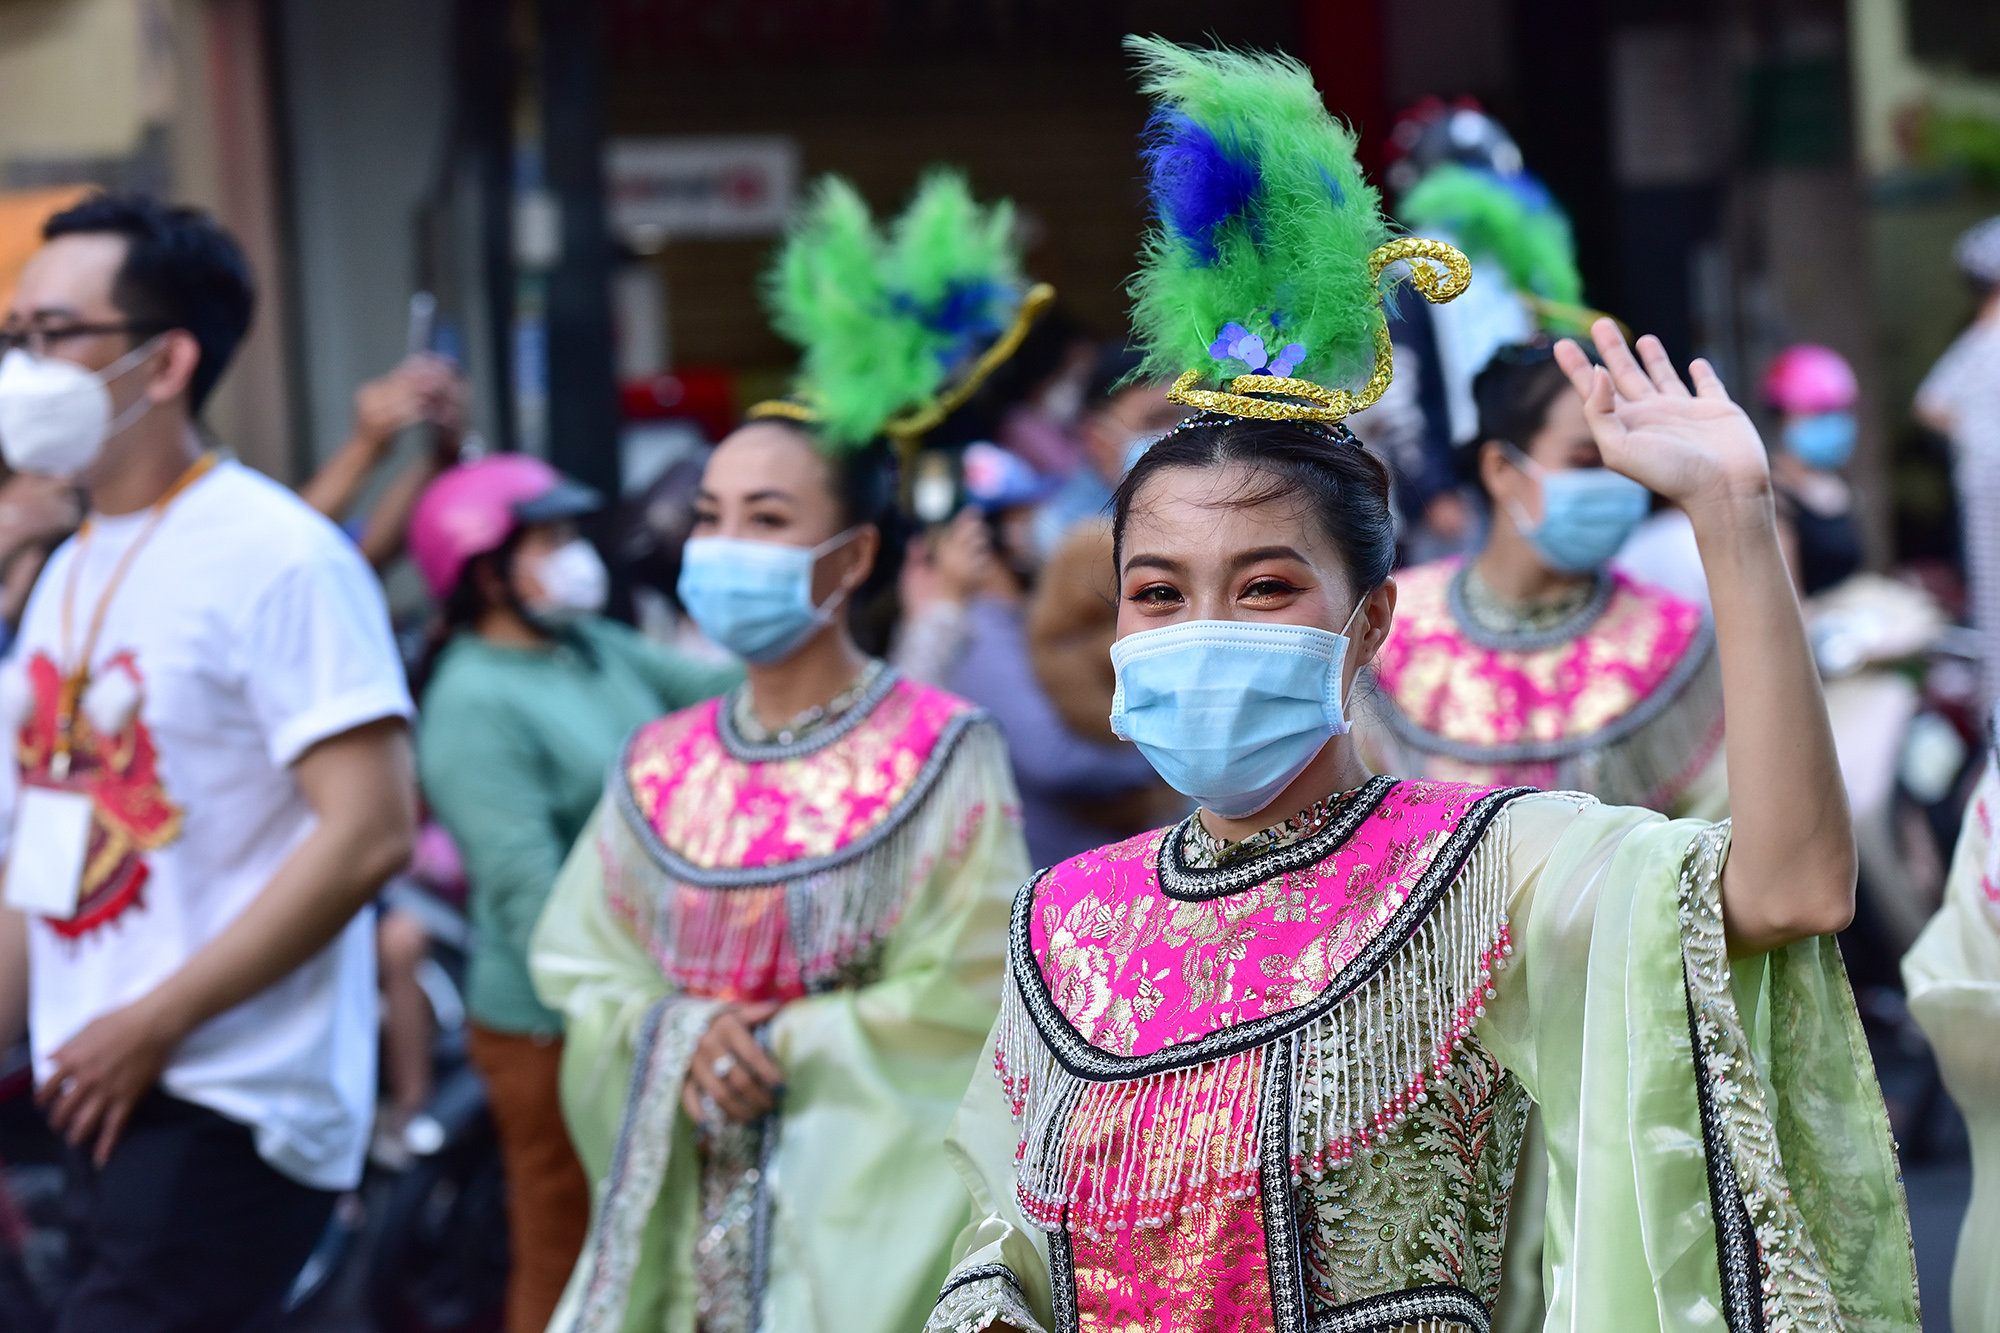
55	415
574	584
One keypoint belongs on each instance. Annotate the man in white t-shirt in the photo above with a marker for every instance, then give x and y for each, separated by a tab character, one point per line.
212	779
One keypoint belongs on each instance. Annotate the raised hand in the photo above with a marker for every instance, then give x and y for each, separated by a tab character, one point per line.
1697	449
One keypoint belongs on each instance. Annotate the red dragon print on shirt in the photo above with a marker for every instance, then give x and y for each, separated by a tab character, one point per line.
131	814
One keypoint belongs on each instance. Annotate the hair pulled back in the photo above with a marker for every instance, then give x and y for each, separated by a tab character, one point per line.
1345	487
1514	394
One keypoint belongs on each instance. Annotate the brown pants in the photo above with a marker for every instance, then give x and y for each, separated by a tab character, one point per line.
548	1196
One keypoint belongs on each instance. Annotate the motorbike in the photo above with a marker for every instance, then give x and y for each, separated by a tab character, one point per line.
1900	683
422	1245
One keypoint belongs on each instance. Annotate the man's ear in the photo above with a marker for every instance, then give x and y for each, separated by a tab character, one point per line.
175	359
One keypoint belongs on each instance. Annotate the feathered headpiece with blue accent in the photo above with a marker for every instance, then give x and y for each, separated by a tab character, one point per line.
896	330
1264	266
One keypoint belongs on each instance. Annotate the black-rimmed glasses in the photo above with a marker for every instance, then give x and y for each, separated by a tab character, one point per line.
36	340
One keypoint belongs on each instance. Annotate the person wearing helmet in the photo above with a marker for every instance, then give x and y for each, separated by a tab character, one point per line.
1813	389
1960	398
1458	175
529	696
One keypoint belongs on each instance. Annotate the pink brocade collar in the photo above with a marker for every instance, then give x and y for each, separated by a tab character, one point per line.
1130	961
1533	696
721	811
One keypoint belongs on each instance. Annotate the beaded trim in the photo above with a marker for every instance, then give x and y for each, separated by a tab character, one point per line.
1526	640
1086	1061
760	1213
662	1049
978	1273
979	1297
1439	1303
1663	697
1359	1058
754	752
738	877
804	725
1284	1251
1194	884
1795	1288
1735	1235
1062	1281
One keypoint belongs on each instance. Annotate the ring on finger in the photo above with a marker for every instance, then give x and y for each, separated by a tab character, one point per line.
721	1065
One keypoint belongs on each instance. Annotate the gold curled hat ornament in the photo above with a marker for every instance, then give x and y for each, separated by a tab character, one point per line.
1282	398
907	430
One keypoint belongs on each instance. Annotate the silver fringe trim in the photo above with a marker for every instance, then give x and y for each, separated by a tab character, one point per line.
837	912
1188	1130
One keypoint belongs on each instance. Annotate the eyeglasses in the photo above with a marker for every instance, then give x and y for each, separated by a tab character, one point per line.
36	340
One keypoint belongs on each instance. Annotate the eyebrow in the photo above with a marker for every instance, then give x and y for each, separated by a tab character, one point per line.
767	494
1250	557
1268	553
1167	563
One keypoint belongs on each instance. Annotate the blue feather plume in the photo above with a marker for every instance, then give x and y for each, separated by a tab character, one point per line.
1196	182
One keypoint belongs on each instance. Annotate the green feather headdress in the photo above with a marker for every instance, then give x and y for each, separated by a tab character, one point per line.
1264	266
895	330
1512	222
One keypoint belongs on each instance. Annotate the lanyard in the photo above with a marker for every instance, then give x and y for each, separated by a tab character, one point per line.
76	674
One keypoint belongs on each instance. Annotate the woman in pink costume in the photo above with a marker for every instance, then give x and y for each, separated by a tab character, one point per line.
1532	661
777	946
1267	1069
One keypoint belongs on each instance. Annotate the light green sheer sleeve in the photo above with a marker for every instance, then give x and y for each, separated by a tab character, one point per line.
866	1201
1953	977
615	1004
1715	1135
863	1203
999	1263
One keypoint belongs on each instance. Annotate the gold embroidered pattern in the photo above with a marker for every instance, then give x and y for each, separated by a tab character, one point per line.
1427	1205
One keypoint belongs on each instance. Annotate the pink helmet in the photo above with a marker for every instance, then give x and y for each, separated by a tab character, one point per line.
473	508
1807	379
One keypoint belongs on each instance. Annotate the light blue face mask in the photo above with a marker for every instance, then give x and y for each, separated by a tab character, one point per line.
1587	513
1824	440
755	598
1229	712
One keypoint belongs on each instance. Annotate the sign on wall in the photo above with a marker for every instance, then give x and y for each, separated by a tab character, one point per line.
700	185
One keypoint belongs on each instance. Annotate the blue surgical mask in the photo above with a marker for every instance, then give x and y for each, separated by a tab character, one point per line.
1824	441
755	598
1229	712
1587	513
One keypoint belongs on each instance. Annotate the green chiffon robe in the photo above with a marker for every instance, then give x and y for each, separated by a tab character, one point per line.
1620	959
1952	974
863	1205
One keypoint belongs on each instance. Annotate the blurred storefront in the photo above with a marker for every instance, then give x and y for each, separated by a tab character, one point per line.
591	189
171	96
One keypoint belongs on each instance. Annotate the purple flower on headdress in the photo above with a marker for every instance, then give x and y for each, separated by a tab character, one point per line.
1237	343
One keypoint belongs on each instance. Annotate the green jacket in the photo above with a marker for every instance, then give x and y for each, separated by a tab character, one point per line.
512	748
